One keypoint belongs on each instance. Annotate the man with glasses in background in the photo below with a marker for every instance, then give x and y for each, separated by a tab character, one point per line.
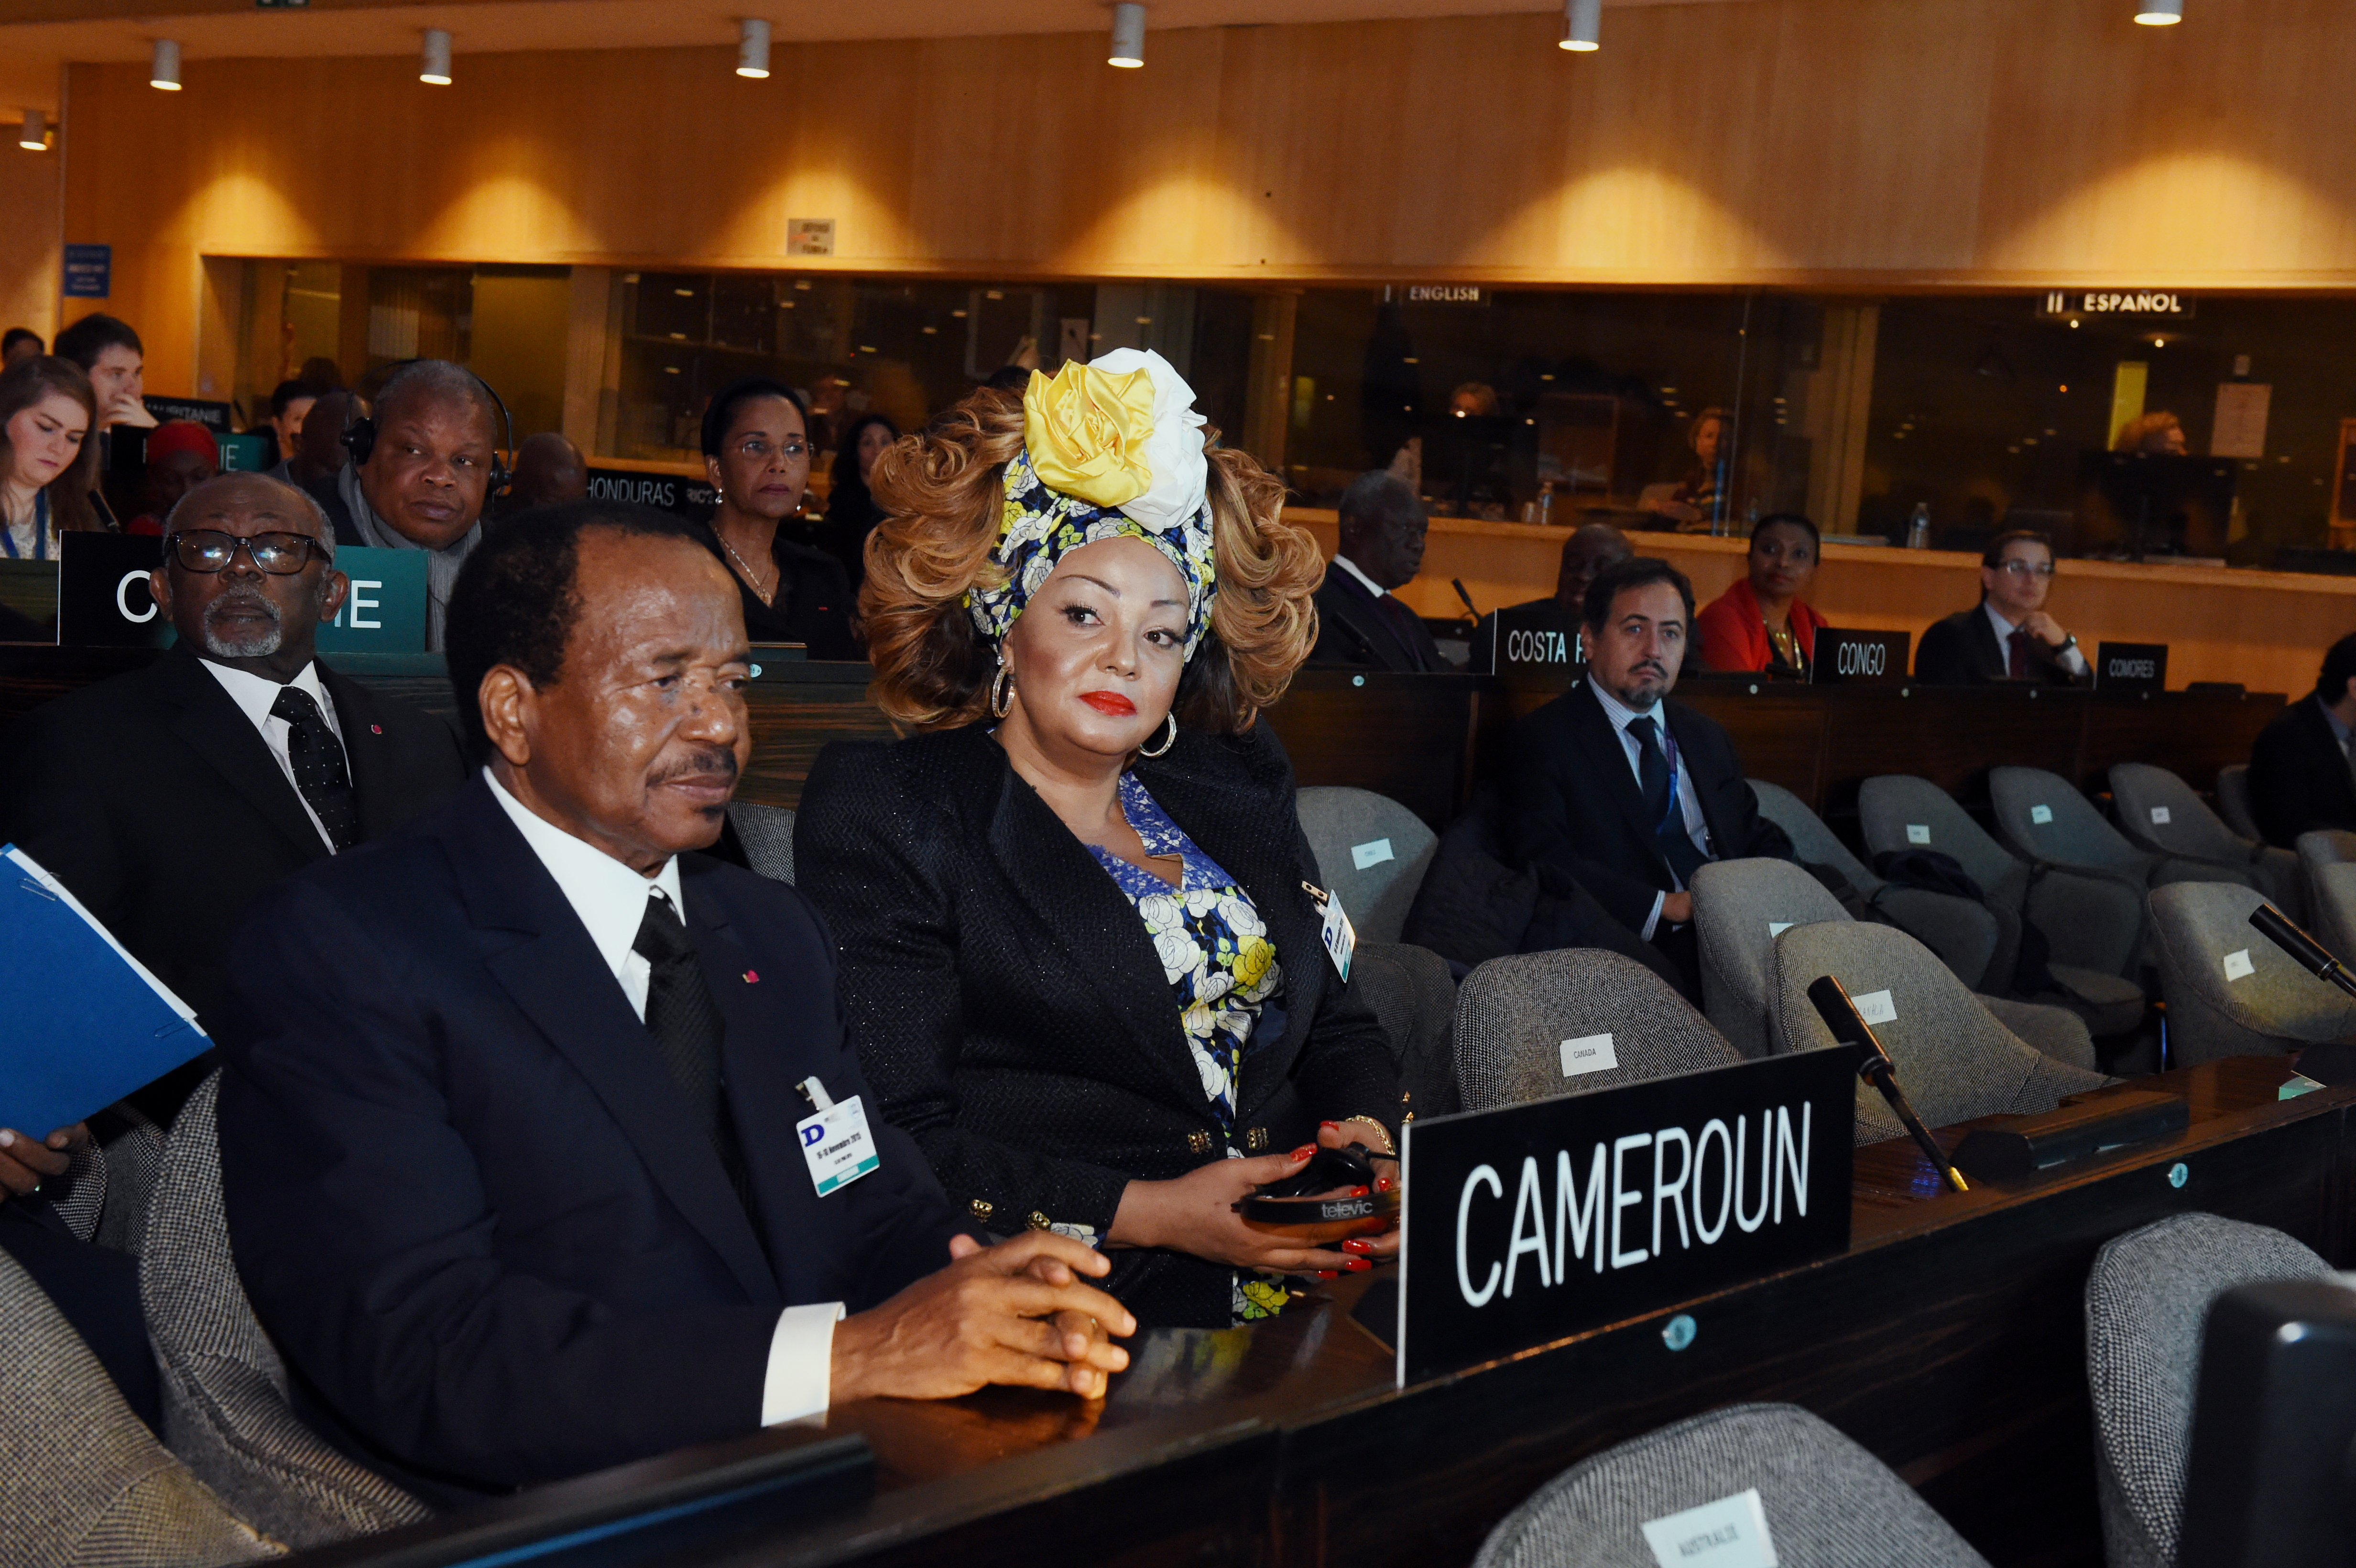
2008	637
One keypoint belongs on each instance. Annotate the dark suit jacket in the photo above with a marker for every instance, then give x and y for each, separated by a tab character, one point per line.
1573	801
1353	628
1012	1010
154	798
2298	776
812	604
467	1198
1963	650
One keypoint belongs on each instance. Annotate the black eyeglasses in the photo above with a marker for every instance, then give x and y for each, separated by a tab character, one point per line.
280	555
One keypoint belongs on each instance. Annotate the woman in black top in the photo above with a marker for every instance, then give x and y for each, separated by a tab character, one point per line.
852	513
1079	925
756	452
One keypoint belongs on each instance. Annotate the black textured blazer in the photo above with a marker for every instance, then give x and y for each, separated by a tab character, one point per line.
1011	1013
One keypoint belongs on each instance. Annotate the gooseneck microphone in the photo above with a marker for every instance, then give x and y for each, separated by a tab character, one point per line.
2305	951
1470	608
1849	1028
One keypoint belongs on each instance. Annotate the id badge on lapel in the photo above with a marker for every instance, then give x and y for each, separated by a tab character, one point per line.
835	1142
1339	939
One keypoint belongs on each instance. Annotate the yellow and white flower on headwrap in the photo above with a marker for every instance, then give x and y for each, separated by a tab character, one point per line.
1111	450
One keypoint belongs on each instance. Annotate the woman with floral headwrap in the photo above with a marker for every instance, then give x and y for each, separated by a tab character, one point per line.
1080	931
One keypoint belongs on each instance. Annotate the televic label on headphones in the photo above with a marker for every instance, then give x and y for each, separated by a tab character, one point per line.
690	499
1531	1222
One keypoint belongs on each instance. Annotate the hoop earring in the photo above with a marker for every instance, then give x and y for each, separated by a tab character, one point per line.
1167	740
1002	693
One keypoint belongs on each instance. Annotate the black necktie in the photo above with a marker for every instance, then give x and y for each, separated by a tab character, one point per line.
687	1027
1653	777
2017	659
318	760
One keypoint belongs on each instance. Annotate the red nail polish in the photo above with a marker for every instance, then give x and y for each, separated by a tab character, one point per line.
1328	1273
1382	1184
1355	1245
1336	1125
1360	1265
1304	1151
1358	1192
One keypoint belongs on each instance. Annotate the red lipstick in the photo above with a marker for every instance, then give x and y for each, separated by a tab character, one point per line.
1112	704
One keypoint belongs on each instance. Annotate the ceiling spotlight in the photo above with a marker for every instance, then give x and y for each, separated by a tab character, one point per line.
434	58
2159	12
35	135
1128	37
1582	26
164	65
752	48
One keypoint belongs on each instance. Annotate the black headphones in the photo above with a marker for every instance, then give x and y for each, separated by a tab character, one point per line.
359	434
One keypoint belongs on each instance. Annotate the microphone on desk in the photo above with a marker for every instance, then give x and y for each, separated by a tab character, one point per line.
1470	608
2330	1061
1849	1028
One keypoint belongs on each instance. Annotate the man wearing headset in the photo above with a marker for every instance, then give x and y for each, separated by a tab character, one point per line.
423	471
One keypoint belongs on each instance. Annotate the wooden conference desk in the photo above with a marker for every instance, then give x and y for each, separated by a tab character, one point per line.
1949	1341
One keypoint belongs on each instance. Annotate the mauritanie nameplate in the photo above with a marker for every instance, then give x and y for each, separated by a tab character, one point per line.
1531	1222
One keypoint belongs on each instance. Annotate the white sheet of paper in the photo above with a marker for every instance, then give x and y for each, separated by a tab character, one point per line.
1728	1533
2040	814
2240	429
2238	965
1918	833
1589	1053
2159	815
1776	928
1876	1007
1372	853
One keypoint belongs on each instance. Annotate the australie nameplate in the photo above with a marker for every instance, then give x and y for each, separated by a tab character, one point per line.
1525	1224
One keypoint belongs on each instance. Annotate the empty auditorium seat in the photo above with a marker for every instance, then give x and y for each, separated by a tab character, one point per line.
1529	1027
2231	992
2161	813
1371	853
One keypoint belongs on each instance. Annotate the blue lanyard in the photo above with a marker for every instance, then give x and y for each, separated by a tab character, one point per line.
41	531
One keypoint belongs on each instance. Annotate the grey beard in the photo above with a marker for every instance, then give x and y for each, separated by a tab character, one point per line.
251	644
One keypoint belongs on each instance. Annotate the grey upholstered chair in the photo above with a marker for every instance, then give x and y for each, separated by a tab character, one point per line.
1346	826
2231	992
2046	822
2093	921
1529	1027
2161	813
1740	910
2331	911
1414	997
2324	847
1969	937
1955	1058
2147	1300
2233	802
768	834
1827	1503
225	1400
87	1485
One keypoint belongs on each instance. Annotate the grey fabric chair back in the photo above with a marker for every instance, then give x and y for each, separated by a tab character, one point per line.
1414	999
2146	1299
1955	1059
1372	853
1540	1024
87	1485
225	1391
1899	812
2332	905
2325	847
768	834
2044	820
1812	843
2233	802
2229	991
1740	908
2162	813
1827	1503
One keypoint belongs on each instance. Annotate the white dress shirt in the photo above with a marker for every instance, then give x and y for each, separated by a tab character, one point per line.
611	900
256	695
1688	798
2071	658
1376	589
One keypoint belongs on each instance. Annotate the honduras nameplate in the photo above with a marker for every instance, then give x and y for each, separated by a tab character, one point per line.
690	499
2131	667
1845	657
1528	1223
1538	644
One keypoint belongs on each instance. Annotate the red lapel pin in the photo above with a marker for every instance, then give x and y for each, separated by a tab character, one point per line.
375	729
751	978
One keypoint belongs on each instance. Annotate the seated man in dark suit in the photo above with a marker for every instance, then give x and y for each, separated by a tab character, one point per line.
538	1126
2008	637
1359	620
1624	789
2300	777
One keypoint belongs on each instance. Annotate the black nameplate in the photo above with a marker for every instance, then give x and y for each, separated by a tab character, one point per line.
1539	644
214	417
1526	1224
2131	666
102	597
1860	659
690	499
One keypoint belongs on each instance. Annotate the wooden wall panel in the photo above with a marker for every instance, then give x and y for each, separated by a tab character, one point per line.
29	240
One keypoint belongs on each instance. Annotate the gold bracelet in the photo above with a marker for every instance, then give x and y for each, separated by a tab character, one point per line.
1389	1150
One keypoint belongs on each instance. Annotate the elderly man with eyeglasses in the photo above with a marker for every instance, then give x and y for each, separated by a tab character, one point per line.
2008	637
170	797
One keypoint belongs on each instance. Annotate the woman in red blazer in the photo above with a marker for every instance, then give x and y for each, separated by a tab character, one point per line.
1763	622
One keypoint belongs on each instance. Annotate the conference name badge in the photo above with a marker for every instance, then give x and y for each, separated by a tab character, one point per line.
1340	938
835	1140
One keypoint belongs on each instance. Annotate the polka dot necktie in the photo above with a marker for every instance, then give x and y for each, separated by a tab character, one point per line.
318	760
688	1028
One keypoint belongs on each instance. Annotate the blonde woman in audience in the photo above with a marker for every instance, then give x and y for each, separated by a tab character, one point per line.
1080	928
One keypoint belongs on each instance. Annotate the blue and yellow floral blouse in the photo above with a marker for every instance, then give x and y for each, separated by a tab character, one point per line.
1220	965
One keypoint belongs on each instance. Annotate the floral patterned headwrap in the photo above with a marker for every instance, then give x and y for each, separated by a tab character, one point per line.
1111	450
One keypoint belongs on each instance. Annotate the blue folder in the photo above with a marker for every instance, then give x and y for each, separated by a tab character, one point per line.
82	1023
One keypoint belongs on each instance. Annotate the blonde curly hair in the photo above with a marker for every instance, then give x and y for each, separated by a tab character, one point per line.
941	491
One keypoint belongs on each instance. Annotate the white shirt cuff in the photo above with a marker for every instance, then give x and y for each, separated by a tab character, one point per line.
2073	659
800	1378
1653	920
